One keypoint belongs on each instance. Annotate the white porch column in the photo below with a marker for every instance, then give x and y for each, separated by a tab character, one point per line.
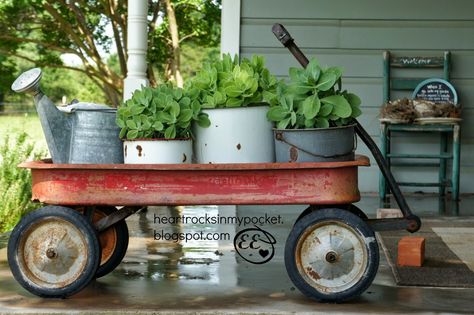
230	27
137	45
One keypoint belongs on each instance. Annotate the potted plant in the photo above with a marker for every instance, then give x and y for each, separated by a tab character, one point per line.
233	95
313	116
156	125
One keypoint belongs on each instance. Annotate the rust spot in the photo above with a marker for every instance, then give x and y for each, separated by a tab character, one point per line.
317	240
313	274
293	154
184	158
139	148
239	146
125	150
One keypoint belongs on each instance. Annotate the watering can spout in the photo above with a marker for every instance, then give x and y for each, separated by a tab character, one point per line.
56	124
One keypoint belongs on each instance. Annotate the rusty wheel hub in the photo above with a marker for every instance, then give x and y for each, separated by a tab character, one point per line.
331	256
53	253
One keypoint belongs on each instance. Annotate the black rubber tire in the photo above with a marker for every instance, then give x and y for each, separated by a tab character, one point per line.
349	207
88	234
121	230
359	227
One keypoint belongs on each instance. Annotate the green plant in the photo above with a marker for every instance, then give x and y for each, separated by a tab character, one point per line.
226	83
162	112
15	183
312	99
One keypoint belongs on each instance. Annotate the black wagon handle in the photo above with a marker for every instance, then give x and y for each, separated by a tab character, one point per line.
411	222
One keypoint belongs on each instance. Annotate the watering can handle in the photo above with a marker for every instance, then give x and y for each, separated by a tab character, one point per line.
413	221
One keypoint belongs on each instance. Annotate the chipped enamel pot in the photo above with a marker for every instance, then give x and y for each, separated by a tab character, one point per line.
158	151
236	135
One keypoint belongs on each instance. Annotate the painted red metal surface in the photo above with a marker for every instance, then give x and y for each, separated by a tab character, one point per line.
196	184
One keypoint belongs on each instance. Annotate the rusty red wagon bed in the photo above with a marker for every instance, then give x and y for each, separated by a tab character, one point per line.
196	184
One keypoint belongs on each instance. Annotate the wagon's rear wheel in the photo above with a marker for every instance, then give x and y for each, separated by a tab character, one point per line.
113	242
331	255
54	252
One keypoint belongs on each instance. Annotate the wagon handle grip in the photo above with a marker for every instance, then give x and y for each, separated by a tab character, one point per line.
285	38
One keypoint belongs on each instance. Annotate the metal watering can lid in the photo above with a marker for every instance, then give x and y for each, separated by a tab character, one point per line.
82	106
28	81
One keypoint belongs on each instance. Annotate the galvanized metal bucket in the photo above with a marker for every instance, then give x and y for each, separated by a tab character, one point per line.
315	144
94	138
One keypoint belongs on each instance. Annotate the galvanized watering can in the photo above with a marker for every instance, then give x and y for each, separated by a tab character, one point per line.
82	133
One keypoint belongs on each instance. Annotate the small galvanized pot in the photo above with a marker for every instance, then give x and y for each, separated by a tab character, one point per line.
158	151
236	135
315	144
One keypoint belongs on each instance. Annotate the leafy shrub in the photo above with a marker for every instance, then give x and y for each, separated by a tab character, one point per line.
162	112
15	183
226	83
312	100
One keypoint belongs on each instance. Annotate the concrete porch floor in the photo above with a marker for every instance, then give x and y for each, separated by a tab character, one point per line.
209	277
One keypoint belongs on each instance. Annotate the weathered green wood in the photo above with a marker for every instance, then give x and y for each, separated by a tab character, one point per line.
420	184
443	149
417	62
422	128
456	162
405	84
414	164
419	156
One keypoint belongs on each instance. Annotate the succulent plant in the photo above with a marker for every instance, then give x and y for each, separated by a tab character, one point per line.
162	112
228	83
312	99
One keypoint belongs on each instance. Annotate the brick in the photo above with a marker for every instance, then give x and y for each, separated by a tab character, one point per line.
411	251
386	213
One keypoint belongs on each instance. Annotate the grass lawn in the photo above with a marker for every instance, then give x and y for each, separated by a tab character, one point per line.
13	125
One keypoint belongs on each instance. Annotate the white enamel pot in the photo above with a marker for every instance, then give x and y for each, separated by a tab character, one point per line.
158	151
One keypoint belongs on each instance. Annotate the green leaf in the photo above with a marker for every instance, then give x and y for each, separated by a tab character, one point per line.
313	70
186	115
300	88
234	102
203	120
177	93
170	132
334	70
277	113
293	118
321	123
342	108
325	110
283	123
132	134
120	122
123	132
131	124
137	109
353	99
311	106
326	81
185	101
233	91
158	125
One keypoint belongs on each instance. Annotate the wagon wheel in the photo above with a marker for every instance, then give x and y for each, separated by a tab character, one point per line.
54	252
113	241
331	255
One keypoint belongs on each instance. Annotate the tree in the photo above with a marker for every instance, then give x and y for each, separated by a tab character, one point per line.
41	31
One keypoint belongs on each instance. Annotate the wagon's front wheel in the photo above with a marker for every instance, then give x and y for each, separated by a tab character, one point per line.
331	255
54	252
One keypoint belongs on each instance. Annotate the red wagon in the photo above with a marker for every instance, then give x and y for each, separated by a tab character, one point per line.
79	235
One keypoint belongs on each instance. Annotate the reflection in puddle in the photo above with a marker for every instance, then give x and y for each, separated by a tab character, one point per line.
159	259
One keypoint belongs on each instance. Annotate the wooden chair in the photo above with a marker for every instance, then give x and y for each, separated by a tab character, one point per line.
391	83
